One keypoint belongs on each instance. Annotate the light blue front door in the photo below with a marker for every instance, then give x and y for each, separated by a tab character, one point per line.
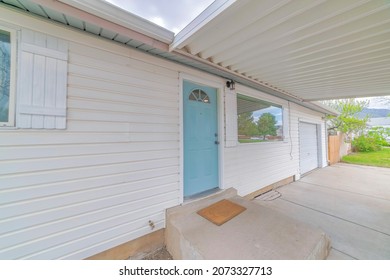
200	138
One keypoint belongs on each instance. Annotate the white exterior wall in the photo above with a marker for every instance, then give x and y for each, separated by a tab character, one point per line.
75	192
252	166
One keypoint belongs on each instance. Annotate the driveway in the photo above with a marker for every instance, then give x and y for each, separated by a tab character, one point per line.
351	203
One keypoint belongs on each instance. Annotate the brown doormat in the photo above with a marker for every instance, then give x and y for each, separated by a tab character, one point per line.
221	211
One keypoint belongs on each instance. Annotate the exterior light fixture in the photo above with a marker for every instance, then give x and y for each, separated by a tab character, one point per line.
231	85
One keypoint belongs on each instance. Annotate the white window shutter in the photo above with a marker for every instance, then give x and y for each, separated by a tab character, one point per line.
231	137
42	81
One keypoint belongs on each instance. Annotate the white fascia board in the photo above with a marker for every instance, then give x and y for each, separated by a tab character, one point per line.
124	18
318	106
212	11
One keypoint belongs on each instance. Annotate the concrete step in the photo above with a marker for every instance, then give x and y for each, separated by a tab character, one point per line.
256	233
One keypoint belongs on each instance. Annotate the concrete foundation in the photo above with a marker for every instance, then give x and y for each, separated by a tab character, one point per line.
135	249
271	187
256	233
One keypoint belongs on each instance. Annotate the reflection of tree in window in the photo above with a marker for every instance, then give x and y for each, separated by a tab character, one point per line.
5	63
246	124
266	125
258	120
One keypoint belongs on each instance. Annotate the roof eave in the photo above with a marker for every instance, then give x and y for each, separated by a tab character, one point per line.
246	81
99	12
320	107
210	13
121	17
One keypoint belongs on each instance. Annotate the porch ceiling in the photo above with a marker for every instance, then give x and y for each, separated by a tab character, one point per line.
300	51
311	49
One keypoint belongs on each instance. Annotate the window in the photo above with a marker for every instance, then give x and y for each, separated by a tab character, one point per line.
199	95
42	80
7	56
258	121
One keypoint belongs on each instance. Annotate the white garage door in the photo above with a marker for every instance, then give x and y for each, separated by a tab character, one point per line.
308	147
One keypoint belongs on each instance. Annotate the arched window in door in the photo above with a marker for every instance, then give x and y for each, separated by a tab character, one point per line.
200	96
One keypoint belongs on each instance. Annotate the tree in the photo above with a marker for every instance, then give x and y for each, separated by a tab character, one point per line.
266	125
347	121
246	124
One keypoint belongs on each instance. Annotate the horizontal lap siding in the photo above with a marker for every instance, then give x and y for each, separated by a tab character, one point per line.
77	192
250	167
73	193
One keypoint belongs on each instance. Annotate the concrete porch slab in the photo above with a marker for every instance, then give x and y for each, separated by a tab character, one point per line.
350	203
257	233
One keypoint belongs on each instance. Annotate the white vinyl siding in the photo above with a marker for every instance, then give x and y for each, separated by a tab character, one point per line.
42	81
74	192
253	166
231	135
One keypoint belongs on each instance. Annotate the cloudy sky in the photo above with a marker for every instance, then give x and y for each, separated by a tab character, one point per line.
174	15
381	102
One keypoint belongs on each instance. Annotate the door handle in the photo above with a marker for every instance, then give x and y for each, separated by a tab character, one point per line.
216	142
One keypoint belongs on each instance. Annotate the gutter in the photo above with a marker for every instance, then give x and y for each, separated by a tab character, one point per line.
110	12
326	109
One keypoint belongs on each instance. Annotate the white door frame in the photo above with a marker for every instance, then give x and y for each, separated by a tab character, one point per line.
219	86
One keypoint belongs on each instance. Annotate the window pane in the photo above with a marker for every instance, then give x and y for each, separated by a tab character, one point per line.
5	64
199	95
258	121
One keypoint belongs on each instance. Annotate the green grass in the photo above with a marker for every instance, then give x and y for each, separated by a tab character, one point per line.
380	158
250	140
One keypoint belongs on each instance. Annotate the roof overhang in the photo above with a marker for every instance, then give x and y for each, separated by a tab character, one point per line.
308	49
267	37
121	17
99	18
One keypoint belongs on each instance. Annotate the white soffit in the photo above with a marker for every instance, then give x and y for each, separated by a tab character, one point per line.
311	49
100	18
121	17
